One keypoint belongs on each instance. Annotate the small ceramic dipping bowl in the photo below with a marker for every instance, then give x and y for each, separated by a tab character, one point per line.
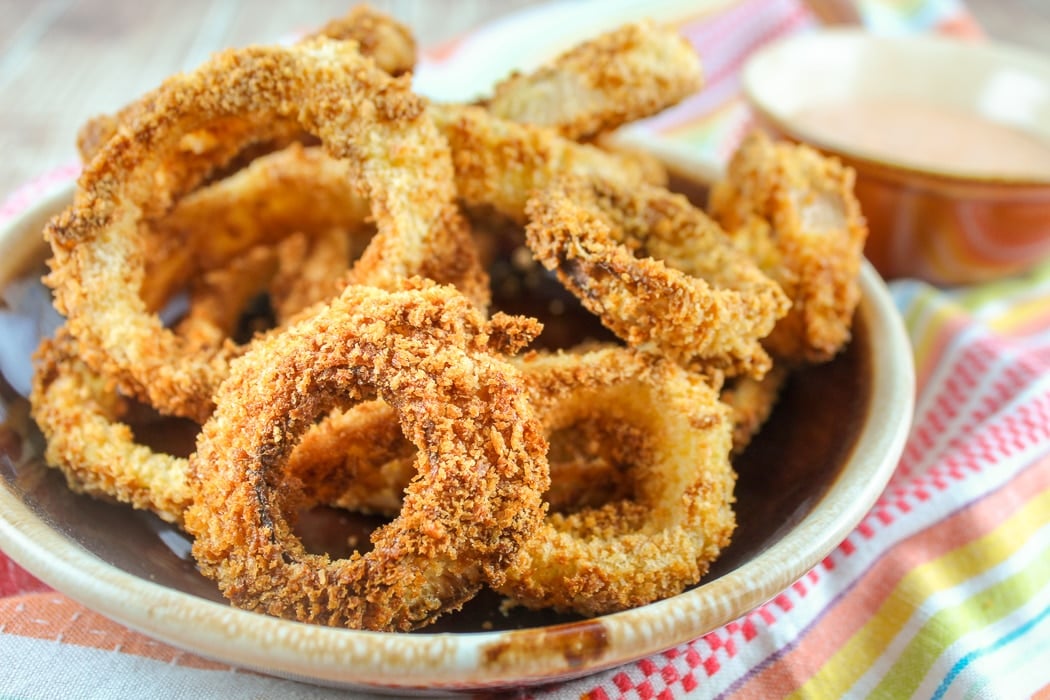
950	140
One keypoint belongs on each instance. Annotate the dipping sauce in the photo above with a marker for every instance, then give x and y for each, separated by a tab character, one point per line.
929	136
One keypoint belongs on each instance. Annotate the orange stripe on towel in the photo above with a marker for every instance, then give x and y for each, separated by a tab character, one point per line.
55	617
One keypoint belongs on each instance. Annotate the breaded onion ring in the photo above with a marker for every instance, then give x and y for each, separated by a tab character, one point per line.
379	36
629	73
633	551
294	189
79	415
663	460
657	271
217	299
794	211
293	274
326	87
312	269
499	163
481	464
303	190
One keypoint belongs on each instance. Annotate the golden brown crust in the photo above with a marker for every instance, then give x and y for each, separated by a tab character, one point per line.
664	453
294	189
481	462
379	36
499	163
79	414
629	73
794	211
657	271
630	551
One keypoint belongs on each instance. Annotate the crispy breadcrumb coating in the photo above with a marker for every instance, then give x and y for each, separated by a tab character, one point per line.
657	270
794	211
481	464
500	163
631	551
627	74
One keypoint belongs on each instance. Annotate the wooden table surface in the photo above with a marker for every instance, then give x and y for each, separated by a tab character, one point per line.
62	61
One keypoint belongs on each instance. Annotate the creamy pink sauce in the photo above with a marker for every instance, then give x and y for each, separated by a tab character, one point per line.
929	136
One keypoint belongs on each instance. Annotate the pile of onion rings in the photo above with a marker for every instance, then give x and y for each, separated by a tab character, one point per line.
352	297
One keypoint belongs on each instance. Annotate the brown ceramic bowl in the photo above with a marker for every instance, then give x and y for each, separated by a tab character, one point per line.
804	484
947	201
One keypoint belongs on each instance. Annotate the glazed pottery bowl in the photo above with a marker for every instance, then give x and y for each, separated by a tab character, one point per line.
934	211
804	484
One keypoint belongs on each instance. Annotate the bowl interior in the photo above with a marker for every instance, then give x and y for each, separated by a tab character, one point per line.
1002	84
803	485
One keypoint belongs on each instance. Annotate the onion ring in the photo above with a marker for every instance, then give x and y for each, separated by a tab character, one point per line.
663	456
794	211
632	551
481	462
629	73
292	276
293	189
500	163
78	413
697	299
379	36
357	110
217	299
662	424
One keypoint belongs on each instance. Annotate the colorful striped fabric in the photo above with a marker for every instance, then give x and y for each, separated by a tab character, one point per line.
942	591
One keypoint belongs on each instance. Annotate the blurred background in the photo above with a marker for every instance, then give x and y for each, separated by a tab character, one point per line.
63	61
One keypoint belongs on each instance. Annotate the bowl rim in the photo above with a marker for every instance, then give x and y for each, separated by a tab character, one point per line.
889	167
376	660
